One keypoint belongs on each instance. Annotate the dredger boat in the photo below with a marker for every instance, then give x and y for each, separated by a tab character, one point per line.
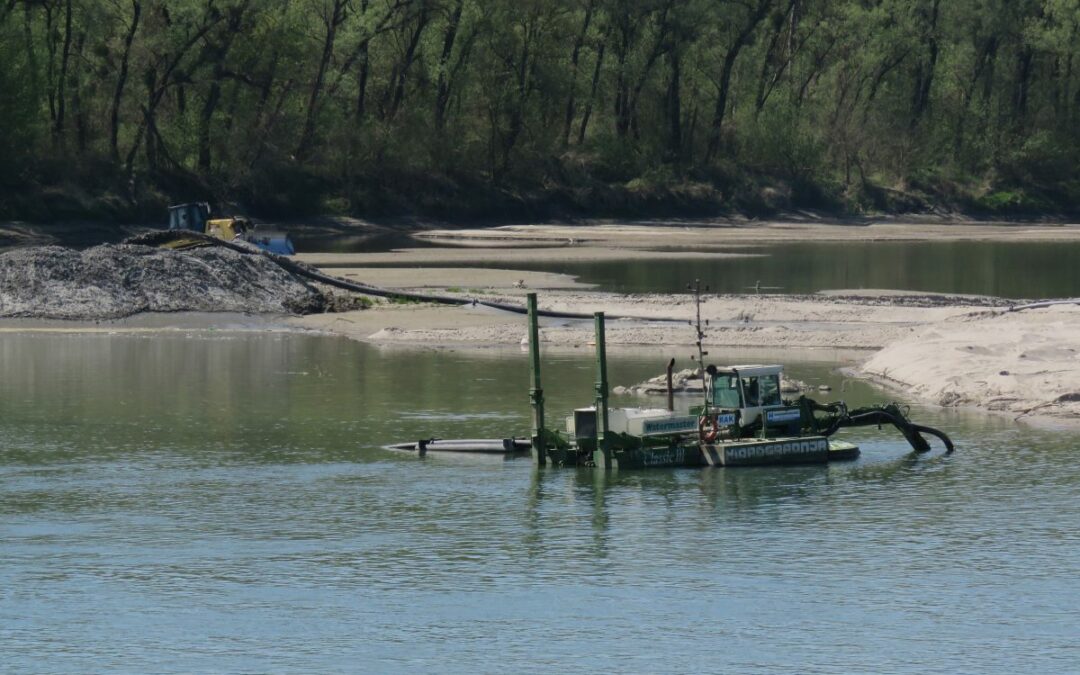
743	420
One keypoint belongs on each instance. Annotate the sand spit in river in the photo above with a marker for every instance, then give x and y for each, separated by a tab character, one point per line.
1017	362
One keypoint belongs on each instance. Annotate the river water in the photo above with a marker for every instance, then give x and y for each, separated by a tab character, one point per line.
221	502
1033	270
1001	269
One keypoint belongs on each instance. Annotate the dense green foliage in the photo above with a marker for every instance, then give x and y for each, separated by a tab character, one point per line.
460	108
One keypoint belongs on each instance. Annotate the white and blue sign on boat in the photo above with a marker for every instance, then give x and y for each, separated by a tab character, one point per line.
669	425
783	415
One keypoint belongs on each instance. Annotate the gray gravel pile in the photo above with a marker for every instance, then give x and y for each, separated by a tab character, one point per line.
114	281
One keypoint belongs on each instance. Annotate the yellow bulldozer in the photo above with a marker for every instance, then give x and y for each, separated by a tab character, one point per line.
195	216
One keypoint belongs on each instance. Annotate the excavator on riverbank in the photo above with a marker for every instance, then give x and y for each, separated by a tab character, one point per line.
195	217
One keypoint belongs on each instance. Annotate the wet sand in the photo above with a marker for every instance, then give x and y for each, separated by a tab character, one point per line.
852	322
713	234
1022	363
949	350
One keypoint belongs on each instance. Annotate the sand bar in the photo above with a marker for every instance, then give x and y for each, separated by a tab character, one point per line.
755	321
1023	363
949	350
496	255
465	278
693	234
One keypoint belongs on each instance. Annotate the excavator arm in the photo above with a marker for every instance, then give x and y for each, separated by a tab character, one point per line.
828	418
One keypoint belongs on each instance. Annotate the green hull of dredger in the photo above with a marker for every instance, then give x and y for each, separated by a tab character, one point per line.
810	450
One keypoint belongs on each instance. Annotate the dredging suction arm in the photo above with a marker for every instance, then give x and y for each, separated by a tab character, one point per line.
837	416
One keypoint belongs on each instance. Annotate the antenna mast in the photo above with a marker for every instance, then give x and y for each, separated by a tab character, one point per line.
700	333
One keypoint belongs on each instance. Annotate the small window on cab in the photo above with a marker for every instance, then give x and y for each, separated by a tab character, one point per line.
770	390
751	392
726	391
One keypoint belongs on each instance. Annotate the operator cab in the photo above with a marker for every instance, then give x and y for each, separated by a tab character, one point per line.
749	389
191	216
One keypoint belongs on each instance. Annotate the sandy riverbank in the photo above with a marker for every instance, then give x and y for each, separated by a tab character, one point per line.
1022	363
944	349
849	322
715	234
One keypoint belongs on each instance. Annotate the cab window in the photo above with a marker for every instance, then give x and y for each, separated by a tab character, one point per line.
725	391
770	390
751	392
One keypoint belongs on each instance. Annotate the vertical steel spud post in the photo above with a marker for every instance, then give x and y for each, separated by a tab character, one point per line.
536	392
603	447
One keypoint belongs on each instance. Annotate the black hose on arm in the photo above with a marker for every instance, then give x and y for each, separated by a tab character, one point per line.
877	415
936	432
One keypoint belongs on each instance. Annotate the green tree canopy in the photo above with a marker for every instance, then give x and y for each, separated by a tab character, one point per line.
460	107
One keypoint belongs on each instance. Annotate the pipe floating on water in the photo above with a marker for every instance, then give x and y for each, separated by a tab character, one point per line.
473	445
160	237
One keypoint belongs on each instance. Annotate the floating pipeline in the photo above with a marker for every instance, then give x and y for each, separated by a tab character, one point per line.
163	237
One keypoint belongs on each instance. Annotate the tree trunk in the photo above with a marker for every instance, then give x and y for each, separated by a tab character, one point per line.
525	71
50	66
574	57
658	48
442	88
407	60
156	87
266	87
61	84
335	19
622	46
767	82
724	85
1023	83
924	80
721	102
121	81
6	10
207	114
674	108
983	61
592	94
77	101
31	53
361	82
148	112
213	97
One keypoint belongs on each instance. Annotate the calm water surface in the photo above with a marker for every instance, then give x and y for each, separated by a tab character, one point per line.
1009	270
221	502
